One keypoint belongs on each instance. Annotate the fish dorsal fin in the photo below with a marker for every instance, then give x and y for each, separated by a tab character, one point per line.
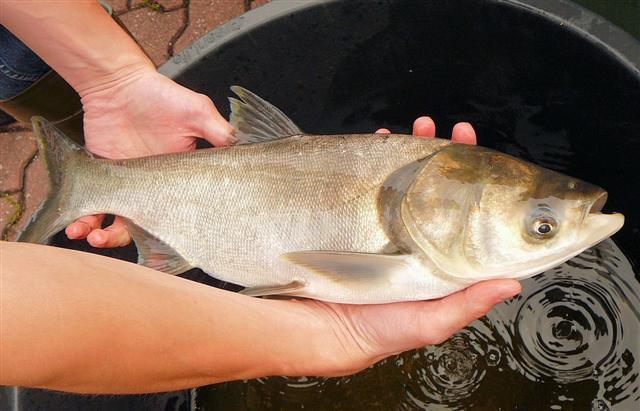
353	269
154	253
257	120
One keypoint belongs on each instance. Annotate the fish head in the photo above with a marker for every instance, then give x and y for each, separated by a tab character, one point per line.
480	214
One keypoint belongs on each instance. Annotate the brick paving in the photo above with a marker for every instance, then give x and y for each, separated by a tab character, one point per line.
163	28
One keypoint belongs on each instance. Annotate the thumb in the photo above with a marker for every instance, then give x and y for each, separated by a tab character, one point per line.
450	314
393	328
211	126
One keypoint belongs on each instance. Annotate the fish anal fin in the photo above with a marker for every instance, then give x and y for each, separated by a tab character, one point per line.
273	290
353	269
154	253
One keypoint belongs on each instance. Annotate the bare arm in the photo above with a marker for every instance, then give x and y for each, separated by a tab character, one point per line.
79	39
120	89
80	322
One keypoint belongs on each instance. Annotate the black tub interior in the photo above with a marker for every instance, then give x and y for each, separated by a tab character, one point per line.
533	87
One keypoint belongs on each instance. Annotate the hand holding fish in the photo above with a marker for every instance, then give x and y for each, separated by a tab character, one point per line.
425	127
357	336
145	114
194	326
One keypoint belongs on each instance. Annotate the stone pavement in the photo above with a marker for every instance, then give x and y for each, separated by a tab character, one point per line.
162	28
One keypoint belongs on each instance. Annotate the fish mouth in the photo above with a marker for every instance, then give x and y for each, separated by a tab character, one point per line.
598	203
598	226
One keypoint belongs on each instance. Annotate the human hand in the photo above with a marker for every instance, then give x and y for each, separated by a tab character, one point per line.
352	337
143	114
425	127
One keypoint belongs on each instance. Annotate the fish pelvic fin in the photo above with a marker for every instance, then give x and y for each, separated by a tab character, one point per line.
61	158
354	270
155	253
257	120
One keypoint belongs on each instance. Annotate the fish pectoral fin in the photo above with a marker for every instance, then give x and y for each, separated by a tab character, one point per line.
351	268
273	290
154	253
257	120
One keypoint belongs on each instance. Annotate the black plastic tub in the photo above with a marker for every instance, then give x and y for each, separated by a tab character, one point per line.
544	80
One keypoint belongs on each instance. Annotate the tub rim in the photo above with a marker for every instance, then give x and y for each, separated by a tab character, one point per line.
586	24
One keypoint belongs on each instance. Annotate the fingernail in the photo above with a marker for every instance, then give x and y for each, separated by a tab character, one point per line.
96	237
71	234
510	290
423	119
231	137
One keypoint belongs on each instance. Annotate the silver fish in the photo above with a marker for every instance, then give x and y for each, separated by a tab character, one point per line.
343	218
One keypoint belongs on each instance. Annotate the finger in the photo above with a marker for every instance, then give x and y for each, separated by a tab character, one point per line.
464	133
116	235
83	226
446	316
424	127
211	126
383	131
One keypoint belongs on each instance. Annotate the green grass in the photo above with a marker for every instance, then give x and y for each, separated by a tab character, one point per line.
153	5
17	213
623	13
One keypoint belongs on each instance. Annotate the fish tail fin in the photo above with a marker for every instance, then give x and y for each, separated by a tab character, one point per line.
61	157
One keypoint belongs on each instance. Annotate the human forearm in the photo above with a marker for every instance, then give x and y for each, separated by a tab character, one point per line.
79	322
84	323
78	39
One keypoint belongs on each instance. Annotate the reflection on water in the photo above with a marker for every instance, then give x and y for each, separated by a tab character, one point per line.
450	373
569	341
578	323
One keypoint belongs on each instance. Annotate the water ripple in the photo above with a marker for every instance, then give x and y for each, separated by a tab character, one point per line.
449	373
578	322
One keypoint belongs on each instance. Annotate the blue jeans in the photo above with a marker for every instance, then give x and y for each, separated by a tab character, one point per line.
19	66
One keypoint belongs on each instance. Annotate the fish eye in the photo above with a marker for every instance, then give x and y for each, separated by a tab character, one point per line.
544	226
542	222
